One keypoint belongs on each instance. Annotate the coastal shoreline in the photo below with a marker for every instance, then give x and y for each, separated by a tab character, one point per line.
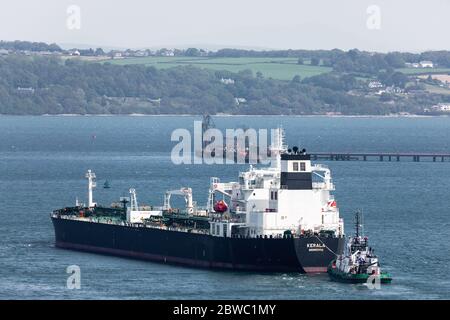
232	115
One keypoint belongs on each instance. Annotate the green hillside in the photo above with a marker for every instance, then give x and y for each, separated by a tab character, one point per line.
276	68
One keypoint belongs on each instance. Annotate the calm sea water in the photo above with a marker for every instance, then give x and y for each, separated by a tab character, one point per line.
43	160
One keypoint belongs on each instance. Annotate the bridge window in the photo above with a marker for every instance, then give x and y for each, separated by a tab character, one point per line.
295	166
302	166
273	195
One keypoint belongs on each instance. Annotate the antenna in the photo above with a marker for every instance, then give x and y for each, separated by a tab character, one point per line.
358	223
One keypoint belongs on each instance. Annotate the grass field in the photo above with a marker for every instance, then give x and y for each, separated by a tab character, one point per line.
417	71
276	68
437	89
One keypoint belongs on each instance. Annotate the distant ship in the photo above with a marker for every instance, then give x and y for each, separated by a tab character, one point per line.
280	218
106	185
234	150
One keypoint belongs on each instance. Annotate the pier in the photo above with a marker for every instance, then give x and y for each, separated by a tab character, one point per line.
360	156
380	156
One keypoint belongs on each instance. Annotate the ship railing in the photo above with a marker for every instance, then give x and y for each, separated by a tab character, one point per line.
187	230
261	211
323	185
318	185
234	220
161	227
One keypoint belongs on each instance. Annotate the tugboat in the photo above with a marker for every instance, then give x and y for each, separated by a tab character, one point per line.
358	262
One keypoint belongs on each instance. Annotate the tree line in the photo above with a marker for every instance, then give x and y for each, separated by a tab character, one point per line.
349	61
29	46
50	85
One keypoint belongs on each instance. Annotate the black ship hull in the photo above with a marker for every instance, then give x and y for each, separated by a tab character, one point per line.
294	254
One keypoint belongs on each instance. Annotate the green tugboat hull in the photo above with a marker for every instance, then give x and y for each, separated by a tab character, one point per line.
337	275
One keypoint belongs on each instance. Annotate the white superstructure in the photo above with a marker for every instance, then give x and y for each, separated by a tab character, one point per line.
291	195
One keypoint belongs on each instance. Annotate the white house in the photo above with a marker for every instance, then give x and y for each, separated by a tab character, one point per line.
444	107
227	81
375	85
426	64
74	53
168	53
412	65
240	101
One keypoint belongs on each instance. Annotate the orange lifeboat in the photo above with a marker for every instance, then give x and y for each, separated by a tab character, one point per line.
220	206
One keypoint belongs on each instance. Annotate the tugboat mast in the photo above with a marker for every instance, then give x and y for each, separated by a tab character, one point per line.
358	223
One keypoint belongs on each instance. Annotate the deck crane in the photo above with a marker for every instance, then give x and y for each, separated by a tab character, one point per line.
185	192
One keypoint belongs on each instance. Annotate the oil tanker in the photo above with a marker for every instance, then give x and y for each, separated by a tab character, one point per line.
278	218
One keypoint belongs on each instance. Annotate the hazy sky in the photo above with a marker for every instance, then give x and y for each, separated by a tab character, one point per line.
404	25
